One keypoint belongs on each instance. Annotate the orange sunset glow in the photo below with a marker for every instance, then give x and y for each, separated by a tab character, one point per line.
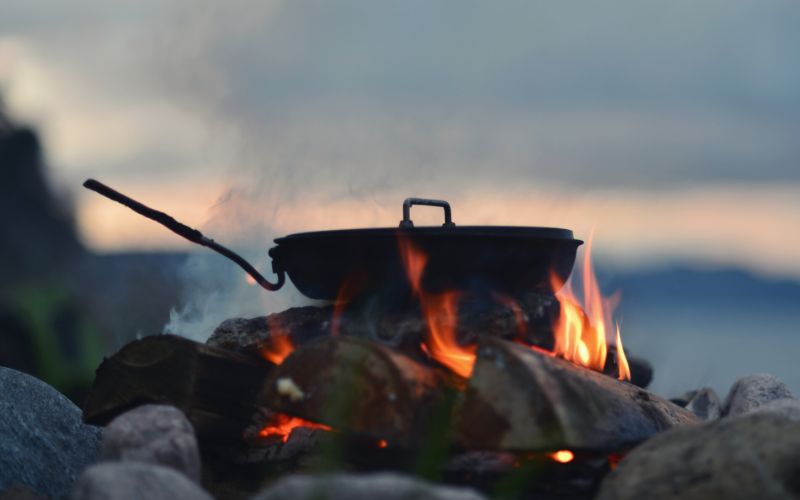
691	223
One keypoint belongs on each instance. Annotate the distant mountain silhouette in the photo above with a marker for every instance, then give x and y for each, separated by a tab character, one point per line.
694	285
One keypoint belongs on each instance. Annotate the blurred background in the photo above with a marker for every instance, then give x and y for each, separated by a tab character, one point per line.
670	130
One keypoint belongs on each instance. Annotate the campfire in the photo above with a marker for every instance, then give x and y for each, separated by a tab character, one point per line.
471	340
579	332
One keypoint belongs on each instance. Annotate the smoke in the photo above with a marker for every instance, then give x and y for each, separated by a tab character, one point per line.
326	116
215	289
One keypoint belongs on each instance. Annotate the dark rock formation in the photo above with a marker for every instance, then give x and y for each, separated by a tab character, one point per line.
36	230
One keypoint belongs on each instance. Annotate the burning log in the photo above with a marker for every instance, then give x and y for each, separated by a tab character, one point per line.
531	321
359	386
215	388
521	399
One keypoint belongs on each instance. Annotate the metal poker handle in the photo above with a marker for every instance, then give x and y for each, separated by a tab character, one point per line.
185	231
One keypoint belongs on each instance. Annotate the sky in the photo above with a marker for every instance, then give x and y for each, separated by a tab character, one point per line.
669	128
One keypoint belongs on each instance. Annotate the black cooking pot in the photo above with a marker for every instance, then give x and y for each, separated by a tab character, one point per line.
353	263
502	259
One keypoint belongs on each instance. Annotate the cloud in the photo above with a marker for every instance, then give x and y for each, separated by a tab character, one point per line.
639	95
356	103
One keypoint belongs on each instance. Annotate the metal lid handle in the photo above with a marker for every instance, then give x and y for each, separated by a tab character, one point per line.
406	223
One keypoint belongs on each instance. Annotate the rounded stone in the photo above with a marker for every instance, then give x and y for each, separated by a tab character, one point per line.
752	391
154	434
751	456
383	486
135	481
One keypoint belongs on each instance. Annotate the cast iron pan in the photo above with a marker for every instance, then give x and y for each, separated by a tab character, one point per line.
354	263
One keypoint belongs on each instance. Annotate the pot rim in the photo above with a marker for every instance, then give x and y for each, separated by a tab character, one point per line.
551	233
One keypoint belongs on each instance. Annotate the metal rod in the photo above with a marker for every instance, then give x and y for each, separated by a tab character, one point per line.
185	231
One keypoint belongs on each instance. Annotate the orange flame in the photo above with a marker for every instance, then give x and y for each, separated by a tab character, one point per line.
563	456
347	291
622	360
279	345
414	261
282	425
581	333
441	315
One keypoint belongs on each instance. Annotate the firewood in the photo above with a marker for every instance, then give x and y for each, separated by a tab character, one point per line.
530	320
521	399
359	386
214	387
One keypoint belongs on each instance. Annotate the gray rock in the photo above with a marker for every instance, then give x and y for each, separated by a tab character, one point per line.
705	404
135	481
384	486
786	408
43	442
684	399
752	456
748	393
155	434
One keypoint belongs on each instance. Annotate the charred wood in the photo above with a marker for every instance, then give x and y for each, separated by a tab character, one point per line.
215	388
520	399
360	387
249	335
530	319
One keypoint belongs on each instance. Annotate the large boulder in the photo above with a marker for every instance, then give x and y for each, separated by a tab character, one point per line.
752	391
135	481
155	434
752	456
43	442
383	486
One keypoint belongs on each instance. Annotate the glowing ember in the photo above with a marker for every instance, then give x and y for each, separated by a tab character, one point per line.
282	426
441	315
383	443
614	459
279	345
582	337
563	456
